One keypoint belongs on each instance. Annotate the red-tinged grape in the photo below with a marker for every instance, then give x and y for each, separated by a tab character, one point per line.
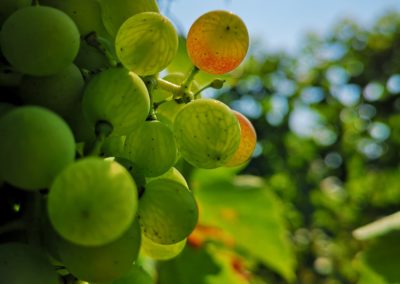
102	263
248	140
92	202
36	144
21	263
207	133
167	211
217	42
39	40
116	12
146	43
118	97
159	251
59	92
151	148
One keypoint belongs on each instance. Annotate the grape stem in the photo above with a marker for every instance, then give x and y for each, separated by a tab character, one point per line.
103	129
187	82
151	83
102	45
181	91
157	104
216	84
168	86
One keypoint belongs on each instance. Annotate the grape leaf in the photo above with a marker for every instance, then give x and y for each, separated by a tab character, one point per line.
382	258
192	266
367	275
205	265
244	207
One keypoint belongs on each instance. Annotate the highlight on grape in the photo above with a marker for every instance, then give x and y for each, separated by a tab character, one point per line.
93	139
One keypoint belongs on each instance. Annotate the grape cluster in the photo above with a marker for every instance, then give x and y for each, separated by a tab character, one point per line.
91	135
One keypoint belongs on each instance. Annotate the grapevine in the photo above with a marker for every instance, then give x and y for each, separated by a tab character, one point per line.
92	136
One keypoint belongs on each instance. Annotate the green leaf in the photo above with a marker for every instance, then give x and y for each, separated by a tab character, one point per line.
367	276
192	266
247	210
206	265
382	258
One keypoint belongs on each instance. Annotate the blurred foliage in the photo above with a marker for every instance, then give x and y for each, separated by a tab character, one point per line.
328	125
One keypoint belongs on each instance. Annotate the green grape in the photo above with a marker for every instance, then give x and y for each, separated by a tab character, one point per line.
161	252
118	97
171	174
136	275
115	12
92	202
207	133
7	7
167	112
146	43
21	263
139	179
85	13
39	40
151	148
36	144
90	58
167	211
102	263
113	146
59	92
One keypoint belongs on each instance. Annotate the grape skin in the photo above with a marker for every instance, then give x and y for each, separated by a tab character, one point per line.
36	48
248	140
146	43
36	145
59	92
151	148
118	97
167	211
217	42
92	202
207	133
116	12
102	263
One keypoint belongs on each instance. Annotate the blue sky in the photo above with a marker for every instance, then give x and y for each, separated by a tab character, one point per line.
282	23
